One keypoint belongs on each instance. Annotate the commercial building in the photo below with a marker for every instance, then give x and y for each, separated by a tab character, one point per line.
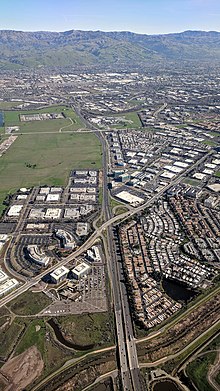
37	255
93	254
53	213
129	198
3	276
53	197
59	274
3	240
15	210
66	239
81	270
82	229
8	285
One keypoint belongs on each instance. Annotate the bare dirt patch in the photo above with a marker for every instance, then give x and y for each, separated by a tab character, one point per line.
22	369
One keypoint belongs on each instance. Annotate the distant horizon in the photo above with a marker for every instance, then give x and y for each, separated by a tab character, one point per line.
108	31
148	17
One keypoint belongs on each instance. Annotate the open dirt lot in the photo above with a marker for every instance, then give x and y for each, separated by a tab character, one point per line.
21	370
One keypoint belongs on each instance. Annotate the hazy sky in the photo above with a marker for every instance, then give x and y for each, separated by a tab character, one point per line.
142	16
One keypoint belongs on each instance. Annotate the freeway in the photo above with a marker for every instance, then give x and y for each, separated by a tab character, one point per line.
129	366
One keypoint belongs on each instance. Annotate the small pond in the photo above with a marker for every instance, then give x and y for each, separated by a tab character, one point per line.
166	385
178	291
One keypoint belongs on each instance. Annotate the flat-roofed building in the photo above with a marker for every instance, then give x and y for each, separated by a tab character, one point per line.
37	226
59	274
82	229
129	198
71	213
56	189
81	270
8	285
44	190
66	239
15	210
40	198
22	197
53	197
37	255
3	276
94	254
37	213
53	213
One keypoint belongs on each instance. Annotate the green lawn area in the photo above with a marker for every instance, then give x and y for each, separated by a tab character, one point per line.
54	156
29	303
132	116
34	335
9	105
114	203
198	370
217	174
12	119
210	143
88	329
4	320
191	181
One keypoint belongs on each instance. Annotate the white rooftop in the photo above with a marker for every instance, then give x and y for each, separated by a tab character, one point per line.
59	272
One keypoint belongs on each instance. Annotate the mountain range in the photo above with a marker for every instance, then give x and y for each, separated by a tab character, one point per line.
78	48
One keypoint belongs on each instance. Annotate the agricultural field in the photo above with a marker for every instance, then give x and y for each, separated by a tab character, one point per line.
46	159
12	118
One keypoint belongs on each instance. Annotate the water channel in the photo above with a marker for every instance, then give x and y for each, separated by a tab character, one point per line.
64	341
1	119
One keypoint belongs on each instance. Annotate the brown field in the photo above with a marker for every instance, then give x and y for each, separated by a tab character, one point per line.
21	370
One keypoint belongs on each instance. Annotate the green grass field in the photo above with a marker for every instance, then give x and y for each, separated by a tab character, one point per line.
12	119
191	181
198	370
54	156
9	337
29	303
88	329
8	105
136	123
34	335
210	143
